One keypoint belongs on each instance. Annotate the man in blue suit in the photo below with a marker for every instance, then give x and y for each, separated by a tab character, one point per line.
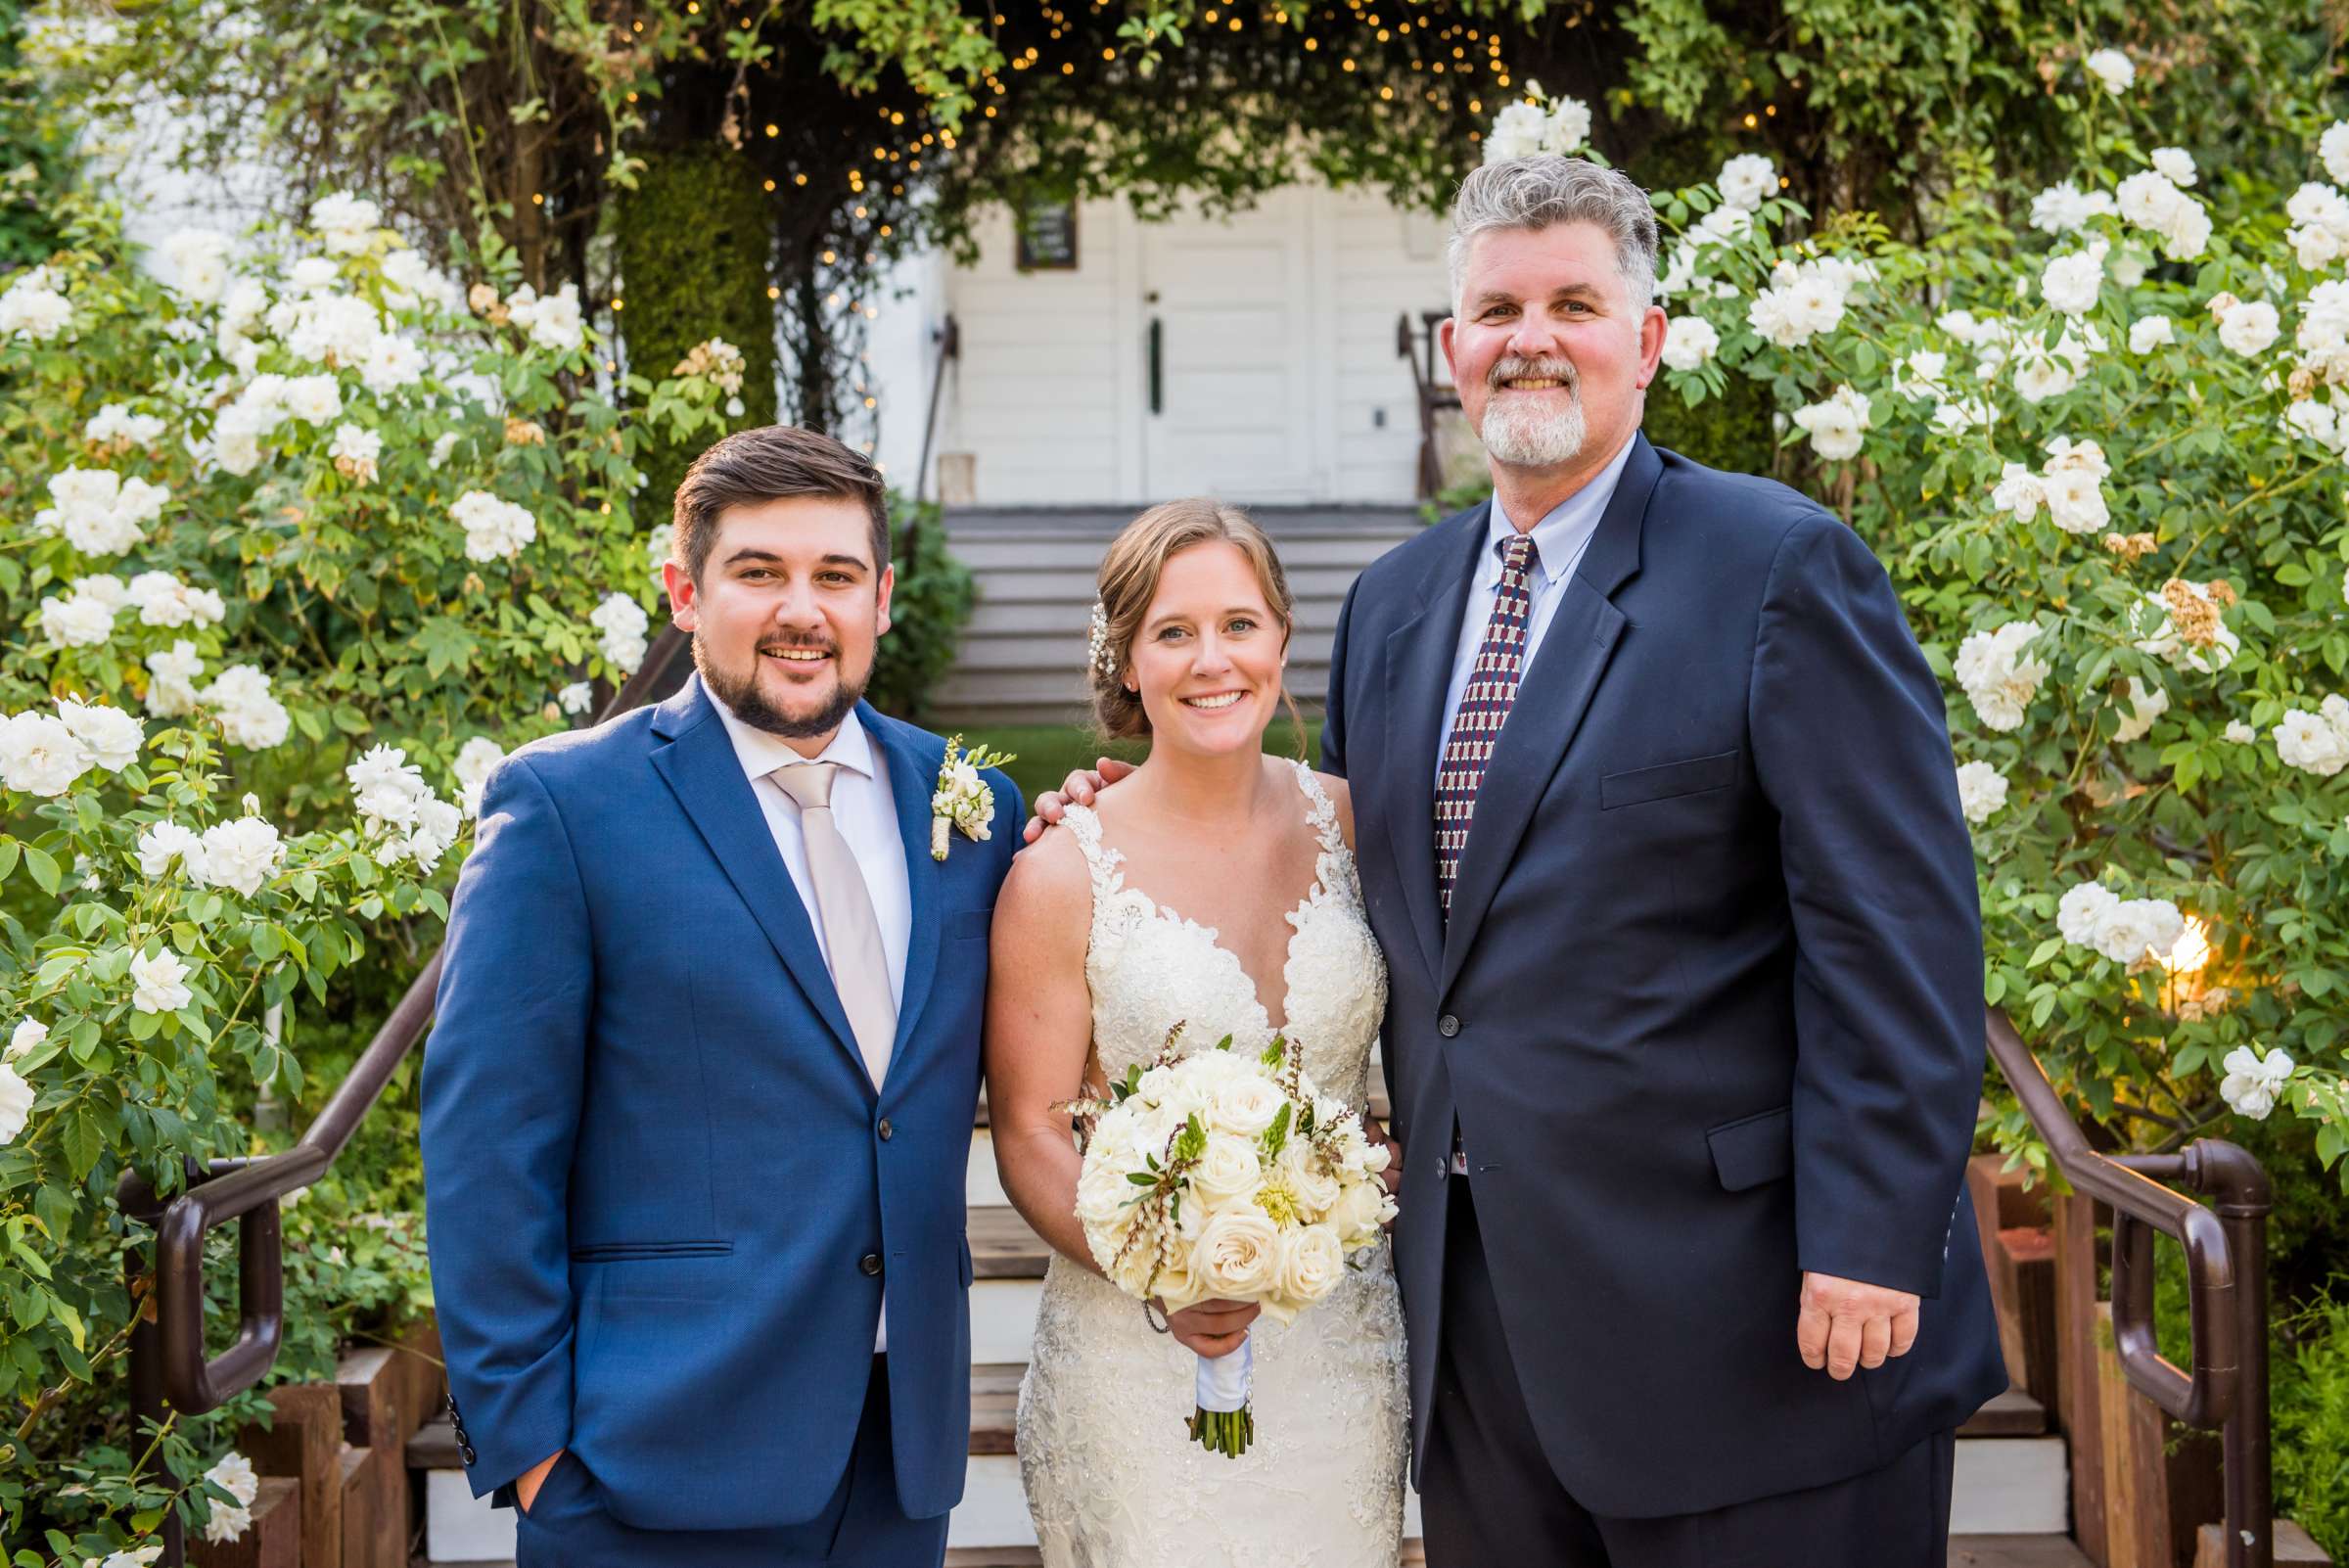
699	1101
1660	835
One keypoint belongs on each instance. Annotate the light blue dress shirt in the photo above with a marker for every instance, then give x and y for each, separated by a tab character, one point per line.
1560	538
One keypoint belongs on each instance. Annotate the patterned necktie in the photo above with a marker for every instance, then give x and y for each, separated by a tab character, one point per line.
845	905
1484	708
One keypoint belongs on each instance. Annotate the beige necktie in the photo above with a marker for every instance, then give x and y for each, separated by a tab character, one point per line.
852	931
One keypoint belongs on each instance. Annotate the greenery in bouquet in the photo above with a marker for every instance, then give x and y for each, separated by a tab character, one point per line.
304	538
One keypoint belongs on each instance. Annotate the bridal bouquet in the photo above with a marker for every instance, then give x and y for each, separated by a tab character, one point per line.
1225	1176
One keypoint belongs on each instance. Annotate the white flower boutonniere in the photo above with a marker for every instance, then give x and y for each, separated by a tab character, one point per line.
960	797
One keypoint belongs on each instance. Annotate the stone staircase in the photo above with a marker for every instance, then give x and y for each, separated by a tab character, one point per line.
1022	659
2012	1494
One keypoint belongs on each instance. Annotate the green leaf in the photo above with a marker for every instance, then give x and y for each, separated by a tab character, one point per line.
82	1142
43	868
9	850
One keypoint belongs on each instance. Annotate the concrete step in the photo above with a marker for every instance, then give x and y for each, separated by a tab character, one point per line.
1076	586
1048	618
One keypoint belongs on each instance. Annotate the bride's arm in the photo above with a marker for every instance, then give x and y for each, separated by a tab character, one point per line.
1038	1025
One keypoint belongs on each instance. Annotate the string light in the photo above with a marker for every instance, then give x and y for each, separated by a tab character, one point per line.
617	304
773	293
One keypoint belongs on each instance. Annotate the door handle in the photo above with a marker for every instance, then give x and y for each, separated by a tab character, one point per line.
1158	365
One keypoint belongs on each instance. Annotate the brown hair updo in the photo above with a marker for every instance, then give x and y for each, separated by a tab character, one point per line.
1129	581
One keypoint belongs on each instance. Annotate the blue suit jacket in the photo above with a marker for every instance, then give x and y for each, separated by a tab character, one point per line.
1708	1008
655	1166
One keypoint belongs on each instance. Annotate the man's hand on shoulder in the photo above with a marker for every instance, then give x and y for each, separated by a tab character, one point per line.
526	1485
1844	1324
1078	789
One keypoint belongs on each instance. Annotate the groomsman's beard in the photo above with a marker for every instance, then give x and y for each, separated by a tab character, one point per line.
1529	430
743	698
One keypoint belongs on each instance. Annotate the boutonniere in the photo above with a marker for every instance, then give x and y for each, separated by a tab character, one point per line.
960	797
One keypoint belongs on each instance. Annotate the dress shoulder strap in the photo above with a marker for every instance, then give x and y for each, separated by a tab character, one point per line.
1100	861
1320	810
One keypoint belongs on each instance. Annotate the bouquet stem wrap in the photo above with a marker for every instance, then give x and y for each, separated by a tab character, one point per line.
1224	1423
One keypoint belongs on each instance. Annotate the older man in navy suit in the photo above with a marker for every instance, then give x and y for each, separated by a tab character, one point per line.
1685	1029
698	1105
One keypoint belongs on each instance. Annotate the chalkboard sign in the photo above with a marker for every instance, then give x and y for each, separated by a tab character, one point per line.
1048	237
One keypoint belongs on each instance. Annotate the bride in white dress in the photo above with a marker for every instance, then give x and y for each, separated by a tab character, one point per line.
1216	888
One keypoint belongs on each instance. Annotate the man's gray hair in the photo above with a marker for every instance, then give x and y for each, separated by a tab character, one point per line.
1534	193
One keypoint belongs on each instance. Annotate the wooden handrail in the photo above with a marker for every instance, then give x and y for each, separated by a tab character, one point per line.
167	1363
2226	1283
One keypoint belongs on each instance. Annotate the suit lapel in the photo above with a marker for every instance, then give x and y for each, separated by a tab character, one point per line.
699	765
1550	702
912	768
1419	656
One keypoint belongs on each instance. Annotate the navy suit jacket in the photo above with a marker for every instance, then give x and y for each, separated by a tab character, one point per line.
663	1196
1707	1007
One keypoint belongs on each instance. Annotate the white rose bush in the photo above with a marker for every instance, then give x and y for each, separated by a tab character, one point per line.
2096	437
1223	1174
308	538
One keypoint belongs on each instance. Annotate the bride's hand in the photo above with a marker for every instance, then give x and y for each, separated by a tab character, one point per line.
1212	1328
1078	789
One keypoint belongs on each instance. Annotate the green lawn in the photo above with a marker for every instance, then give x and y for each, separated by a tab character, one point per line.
1047	752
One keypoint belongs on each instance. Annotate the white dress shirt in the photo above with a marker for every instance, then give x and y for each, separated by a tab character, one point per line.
1560	538
866	815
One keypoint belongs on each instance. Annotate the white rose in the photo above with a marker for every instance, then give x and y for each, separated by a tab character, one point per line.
1981	791
477	760
1747	180
2252	1085
2083	911
2134	929
2249	326
1229	1171
240	854
2332	149
75	622
1361	1209
1517	132
314	399
234	1475
15	1103
577	698
2071	283
1246	1106
29	1032
2240	733
1997	676
165	842
2145	707
1689	342
2305	741
227	1522
1313	1259
2176	163
39	754
112	736
2112	69
158	983
2018	490
1237	1256
1568	127
2149	333
2076	501
1835	426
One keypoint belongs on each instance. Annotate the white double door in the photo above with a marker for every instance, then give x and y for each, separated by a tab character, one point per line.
1230	325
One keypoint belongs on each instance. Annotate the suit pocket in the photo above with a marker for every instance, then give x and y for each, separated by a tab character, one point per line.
624	1251
970	922
1753	1149
1644	784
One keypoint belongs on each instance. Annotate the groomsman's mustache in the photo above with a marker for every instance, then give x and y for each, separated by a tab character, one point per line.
1506	370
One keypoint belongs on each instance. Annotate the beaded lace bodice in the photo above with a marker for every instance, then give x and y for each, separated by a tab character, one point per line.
1113	1481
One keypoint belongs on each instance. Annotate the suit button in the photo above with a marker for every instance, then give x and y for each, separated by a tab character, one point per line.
870	1262
886	1130
1447	1026
1443	1167
466	1450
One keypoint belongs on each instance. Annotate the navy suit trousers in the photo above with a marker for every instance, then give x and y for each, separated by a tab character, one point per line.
863	1526
1488	1496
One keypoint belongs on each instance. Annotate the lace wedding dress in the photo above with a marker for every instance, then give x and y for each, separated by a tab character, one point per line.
1113	1478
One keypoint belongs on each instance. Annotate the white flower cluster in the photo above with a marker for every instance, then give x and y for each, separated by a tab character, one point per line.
99	511
267	402
1268	1206
1998	675
623	624
2184	626
347	223
117	423
43	753
553	320
2254	1084
398	811
1835	426
2070	485
1806	298
230	1520
1528	129
239	854
1981	791
355	451
2246	327
2146	705
164	600
198	261
2065	209
2127	931
249	715
2149	333
577	698
1689	342
2316	743
171	688
495	529
2152	202
2044	370
35	306
159	982
477	760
